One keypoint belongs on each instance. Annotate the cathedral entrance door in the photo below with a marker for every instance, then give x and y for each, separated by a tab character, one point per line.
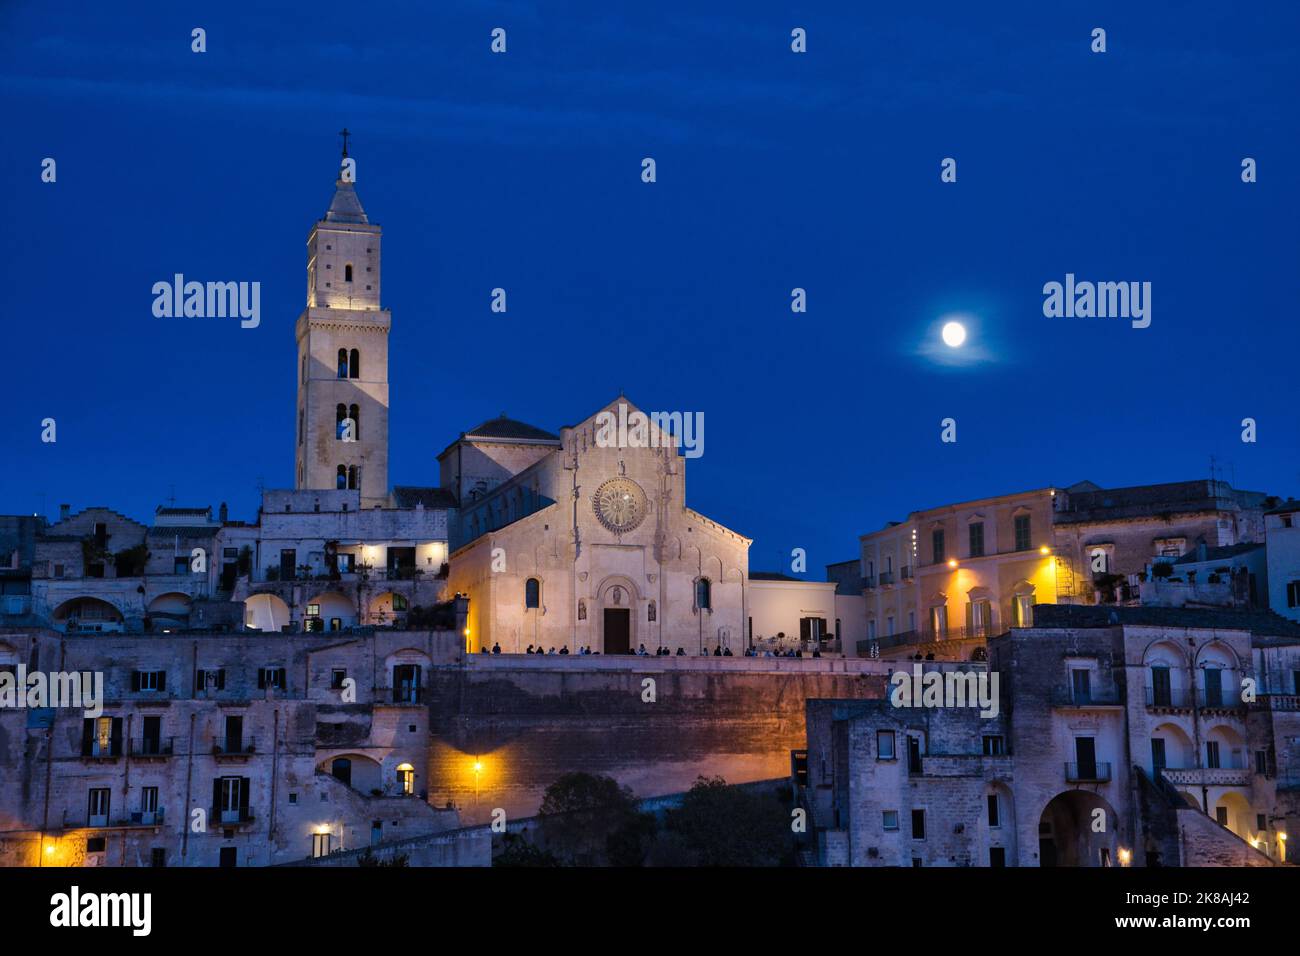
618	630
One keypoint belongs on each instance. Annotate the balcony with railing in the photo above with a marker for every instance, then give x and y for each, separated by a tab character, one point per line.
232	818
1207	776
81	820
1169	698
99	749
233	747
1064	695
1095	772
930	635
1277	702
869	581
886	578
151	747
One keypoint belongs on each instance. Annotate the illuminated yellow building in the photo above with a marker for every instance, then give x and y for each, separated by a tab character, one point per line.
948	578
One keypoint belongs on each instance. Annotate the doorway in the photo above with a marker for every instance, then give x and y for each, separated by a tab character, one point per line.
618	630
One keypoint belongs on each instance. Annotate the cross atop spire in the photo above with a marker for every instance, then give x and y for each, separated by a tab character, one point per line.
345	134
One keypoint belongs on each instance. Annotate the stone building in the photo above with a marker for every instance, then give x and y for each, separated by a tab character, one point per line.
589	544
947	578
1125	736
220	749
1282	533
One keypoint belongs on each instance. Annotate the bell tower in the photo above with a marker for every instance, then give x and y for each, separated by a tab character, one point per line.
342	413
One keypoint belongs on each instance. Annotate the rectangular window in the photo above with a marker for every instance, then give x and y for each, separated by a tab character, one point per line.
1212	754
1213	687
208	680
180	564
1221	816
1023	539
1161	688
937	545
889	819
98	807
1081	685
320	844
995	745
1293	594
1085	755
337	676
913	754
232	799
994	818
148	804
918	824
884	745
1261	762
158	856
977	539
270	677
1158	754
1261	822
997	856
153	681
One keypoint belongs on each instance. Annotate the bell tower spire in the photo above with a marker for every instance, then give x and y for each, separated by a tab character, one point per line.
342	407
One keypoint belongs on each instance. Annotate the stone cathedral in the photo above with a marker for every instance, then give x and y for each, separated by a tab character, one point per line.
342	435
561	541
557	540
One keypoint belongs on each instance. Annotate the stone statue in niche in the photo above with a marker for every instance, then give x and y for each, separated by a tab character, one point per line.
616	596
582	610
651	611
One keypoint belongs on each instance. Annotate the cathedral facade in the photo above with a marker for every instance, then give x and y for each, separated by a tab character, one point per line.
573	541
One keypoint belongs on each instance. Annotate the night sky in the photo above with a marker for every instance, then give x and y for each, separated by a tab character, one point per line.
775	171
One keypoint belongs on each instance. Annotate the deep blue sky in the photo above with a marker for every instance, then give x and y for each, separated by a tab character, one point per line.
775	170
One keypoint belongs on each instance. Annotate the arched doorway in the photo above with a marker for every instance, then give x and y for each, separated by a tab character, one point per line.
1078	828
87	615
616	601
265	612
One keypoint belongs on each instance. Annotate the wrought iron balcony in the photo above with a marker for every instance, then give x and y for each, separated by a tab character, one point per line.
234	746
1095	772
152	747
1067	696
1172	698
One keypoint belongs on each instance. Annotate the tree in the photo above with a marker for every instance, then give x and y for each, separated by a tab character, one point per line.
721	825
581	811
517	850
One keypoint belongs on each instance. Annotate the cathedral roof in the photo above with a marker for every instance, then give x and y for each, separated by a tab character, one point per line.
346	206
503	427
407	496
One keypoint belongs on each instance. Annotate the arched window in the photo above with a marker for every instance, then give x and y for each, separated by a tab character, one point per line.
340	413
347	272
352	477
532	593
354	364
354	413
343	363
703	594
341	481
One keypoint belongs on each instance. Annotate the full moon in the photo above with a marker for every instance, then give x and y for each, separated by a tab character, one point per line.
954	334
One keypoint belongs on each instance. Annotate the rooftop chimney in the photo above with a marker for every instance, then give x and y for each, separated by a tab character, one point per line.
223	513
64	512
